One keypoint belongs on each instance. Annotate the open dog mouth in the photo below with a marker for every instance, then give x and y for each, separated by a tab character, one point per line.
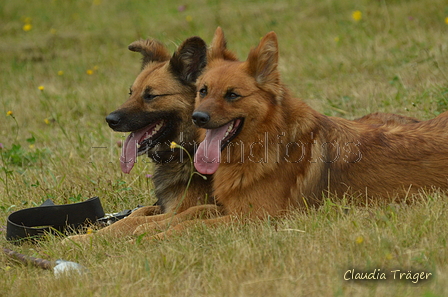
209	151
139	142
150	137
232	130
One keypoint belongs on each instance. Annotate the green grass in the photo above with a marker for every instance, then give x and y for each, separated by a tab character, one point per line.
392	60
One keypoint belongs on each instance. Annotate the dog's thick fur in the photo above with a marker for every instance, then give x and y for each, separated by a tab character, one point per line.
279	154
163	93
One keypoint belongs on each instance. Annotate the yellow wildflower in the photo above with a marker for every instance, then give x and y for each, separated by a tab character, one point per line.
336	39
9	113
446	20
41	88
359	239
89	71
31	146
60	72
7	268
27	27
357	15
89	231
47	121
173	145
389	256
189	18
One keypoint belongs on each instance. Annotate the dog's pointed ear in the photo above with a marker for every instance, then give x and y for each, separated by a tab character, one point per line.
263	61
189	60
152	51
218	48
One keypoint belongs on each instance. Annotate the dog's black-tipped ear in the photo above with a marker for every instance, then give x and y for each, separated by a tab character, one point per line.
152	51
189	60
262	61
218	48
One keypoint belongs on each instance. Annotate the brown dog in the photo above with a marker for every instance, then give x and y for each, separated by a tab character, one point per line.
270	152
157	113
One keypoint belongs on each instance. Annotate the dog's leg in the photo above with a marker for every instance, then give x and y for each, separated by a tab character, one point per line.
122	228
146	211
199	212
143	224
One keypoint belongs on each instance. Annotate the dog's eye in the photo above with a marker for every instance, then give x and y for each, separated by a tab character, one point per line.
149	97
232	96
203	92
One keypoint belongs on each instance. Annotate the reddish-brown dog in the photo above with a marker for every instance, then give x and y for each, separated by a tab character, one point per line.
270	152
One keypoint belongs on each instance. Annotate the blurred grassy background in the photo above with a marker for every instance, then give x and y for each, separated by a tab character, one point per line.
65	66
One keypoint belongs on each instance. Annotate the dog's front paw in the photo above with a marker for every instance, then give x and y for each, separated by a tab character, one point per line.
148	229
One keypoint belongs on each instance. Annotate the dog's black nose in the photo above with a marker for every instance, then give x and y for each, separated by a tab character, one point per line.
200	118
113	120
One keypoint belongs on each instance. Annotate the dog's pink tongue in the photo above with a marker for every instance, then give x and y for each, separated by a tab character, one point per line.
129	150
207	156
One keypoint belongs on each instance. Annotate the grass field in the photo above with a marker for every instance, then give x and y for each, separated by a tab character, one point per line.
65	66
